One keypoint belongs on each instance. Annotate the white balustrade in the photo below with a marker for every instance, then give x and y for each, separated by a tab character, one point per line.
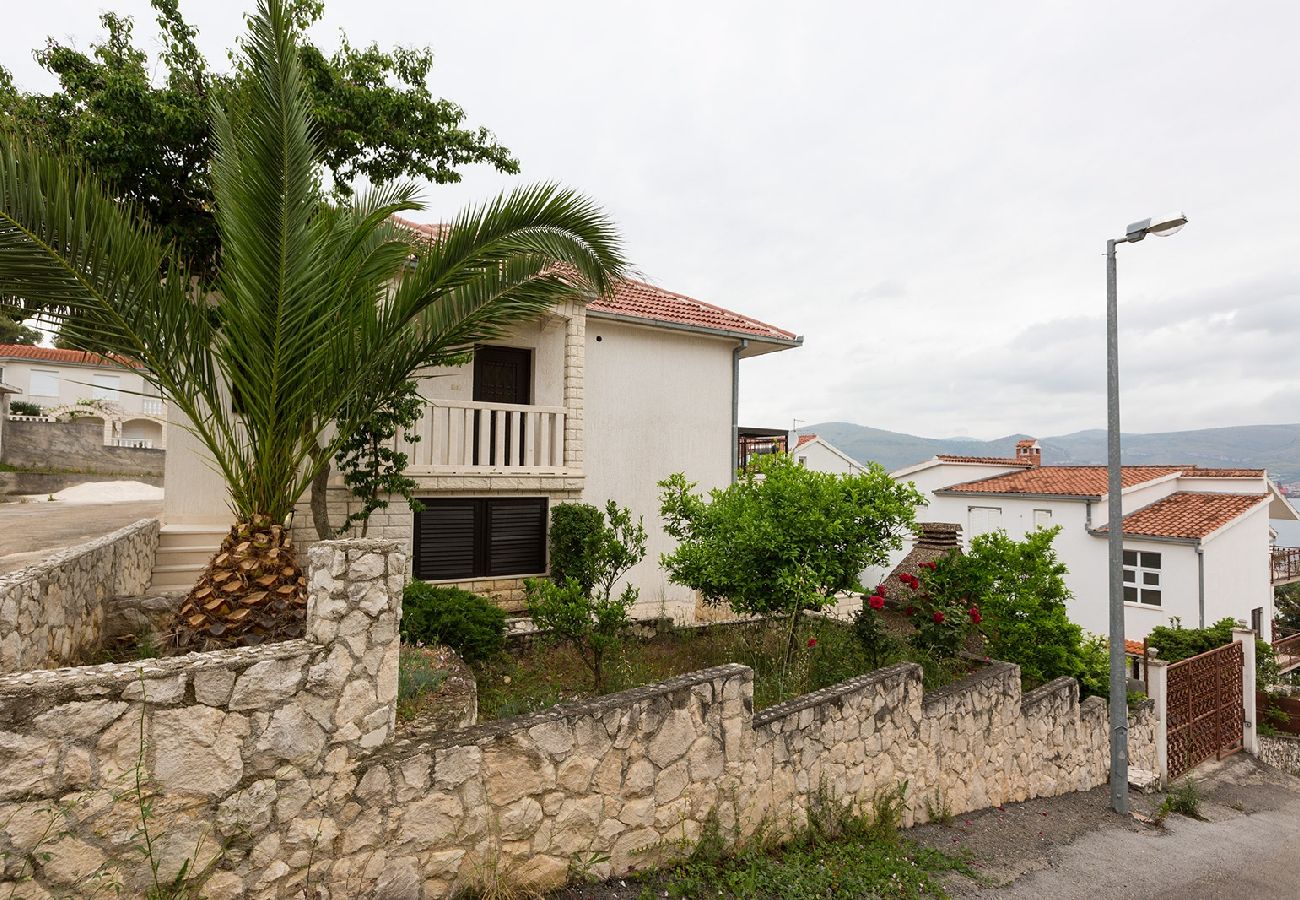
464	437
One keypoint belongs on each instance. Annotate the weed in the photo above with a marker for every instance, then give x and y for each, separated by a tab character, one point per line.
417	677
938	811
1183	799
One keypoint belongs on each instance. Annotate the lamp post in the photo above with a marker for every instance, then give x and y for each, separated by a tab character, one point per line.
1115	510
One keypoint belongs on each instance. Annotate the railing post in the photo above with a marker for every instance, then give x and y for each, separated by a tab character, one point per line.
1249	728
1158	691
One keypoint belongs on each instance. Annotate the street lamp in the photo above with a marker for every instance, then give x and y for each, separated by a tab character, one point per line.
1161	227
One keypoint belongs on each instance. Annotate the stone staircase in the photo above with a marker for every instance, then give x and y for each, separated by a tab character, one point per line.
183	553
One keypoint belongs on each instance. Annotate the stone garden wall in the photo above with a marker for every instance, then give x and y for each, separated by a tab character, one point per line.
1281	751
77	444
51	612
277	773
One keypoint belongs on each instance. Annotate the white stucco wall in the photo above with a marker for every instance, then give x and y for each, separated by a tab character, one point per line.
1237	571
544	337
657	402
817	456
75	383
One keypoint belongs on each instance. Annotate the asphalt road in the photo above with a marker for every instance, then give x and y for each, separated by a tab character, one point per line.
1070	848
29	532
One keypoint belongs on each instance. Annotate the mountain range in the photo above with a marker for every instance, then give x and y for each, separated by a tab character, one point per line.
1272	447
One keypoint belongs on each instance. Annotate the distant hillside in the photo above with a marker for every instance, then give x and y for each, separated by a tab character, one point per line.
1273	447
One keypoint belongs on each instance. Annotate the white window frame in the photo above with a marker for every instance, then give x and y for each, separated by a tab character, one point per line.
106	387
1042	518
1142	577
970	520
44	374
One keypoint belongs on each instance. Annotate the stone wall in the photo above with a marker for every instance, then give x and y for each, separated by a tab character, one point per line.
77	444
42	483
1281	751
52	612
280	764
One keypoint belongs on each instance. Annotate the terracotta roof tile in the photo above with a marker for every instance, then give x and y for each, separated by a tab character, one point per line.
1133	648
638	300
986	460
56	355
1206	472
1070	481
1189	515
804	439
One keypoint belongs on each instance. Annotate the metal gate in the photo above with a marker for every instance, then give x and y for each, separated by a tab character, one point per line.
1204	707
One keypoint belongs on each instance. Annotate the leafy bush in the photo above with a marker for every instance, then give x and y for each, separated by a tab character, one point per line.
24	408
471	625
578	603
1094	667
1174	643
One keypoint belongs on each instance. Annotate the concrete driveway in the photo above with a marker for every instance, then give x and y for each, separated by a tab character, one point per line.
29	532
1247	846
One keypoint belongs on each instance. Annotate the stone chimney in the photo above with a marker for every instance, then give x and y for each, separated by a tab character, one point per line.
939	536
1029	451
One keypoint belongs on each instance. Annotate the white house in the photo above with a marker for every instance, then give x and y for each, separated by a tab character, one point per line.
596	401
1197	542
89	385
821	455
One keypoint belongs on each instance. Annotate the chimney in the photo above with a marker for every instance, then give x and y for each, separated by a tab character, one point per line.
1028	451
938	536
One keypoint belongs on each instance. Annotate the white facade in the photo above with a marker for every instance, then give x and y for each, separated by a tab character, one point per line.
1224	574
820	455
128	407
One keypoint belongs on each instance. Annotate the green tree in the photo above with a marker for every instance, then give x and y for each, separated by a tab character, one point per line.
1286	600
784	538
324	309
587	613
12	329
149	138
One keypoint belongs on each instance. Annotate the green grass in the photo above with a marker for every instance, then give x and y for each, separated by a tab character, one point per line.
547	673
1183	799
838	854
418	678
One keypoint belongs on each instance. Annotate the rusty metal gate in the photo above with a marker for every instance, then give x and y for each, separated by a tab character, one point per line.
1204	706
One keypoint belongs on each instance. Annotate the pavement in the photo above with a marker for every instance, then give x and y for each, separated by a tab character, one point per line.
29	532
1246	844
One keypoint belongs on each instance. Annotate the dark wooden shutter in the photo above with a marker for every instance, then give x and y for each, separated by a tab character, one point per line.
445	540
516	536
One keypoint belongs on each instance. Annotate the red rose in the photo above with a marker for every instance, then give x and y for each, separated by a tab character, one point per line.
938	617
876	602
880	589
975	617
812	642
974	610
911	611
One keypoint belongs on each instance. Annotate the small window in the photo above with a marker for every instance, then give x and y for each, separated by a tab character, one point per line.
106	387
803	461
1142	577
44	384
464	538
1042	518
984	519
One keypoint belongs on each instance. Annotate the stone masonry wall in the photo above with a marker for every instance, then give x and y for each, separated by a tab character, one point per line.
77	444
1281	751
280	764
52	612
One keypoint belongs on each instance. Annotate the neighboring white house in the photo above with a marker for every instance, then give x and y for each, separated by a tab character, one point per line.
595	401
820	455
90	386
1197	543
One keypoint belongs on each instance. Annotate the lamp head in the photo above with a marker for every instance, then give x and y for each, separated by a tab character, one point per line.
1160	227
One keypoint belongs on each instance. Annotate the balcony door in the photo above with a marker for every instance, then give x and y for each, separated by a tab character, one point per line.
501	375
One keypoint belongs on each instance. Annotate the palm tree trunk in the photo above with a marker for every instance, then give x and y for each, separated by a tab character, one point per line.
253	591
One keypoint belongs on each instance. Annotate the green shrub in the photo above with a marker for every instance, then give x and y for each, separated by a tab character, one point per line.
471	625
24	408
1174	643
577	530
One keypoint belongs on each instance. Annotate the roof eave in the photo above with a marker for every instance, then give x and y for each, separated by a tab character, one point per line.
758	343
1022	495
1157	538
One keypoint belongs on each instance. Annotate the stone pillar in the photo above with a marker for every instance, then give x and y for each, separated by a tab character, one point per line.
1249	728
1158	691
354	604
575	349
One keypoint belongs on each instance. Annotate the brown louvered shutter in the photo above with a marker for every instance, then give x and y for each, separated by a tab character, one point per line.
516	536
446	539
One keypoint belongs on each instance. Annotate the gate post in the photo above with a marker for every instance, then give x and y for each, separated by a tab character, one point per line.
1249	731
1158	691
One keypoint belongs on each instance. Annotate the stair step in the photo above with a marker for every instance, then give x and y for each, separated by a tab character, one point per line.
206	537
172	555
178	567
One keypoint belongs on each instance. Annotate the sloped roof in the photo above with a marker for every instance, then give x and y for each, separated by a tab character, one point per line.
1189	515
1067	481
632	299
67	357
804	439
984	460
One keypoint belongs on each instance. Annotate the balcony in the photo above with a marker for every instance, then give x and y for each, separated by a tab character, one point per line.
475	438
1286	565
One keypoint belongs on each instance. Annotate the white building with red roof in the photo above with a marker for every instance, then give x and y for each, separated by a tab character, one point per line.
599	400
820	455
1197	541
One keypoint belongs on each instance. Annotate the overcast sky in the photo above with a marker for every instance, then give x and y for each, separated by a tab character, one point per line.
923	191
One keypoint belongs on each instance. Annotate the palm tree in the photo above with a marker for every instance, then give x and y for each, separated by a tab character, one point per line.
318	313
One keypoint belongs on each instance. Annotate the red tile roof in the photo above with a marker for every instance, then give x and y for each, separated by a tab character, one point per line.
804	439
1133	648
634	299
1189	515
1205	472
55	355
1070	481
986	460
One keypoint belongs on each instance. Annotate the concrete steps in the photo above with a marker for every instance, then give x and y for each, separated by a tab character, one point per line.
183	553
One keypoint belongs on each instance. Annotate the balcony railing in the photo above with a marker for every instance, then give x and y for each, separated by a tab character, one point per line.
1286	564
151	406
470	438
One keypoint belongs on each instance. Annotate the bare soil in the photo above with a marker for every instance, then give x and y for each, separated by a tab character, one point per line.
29	532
